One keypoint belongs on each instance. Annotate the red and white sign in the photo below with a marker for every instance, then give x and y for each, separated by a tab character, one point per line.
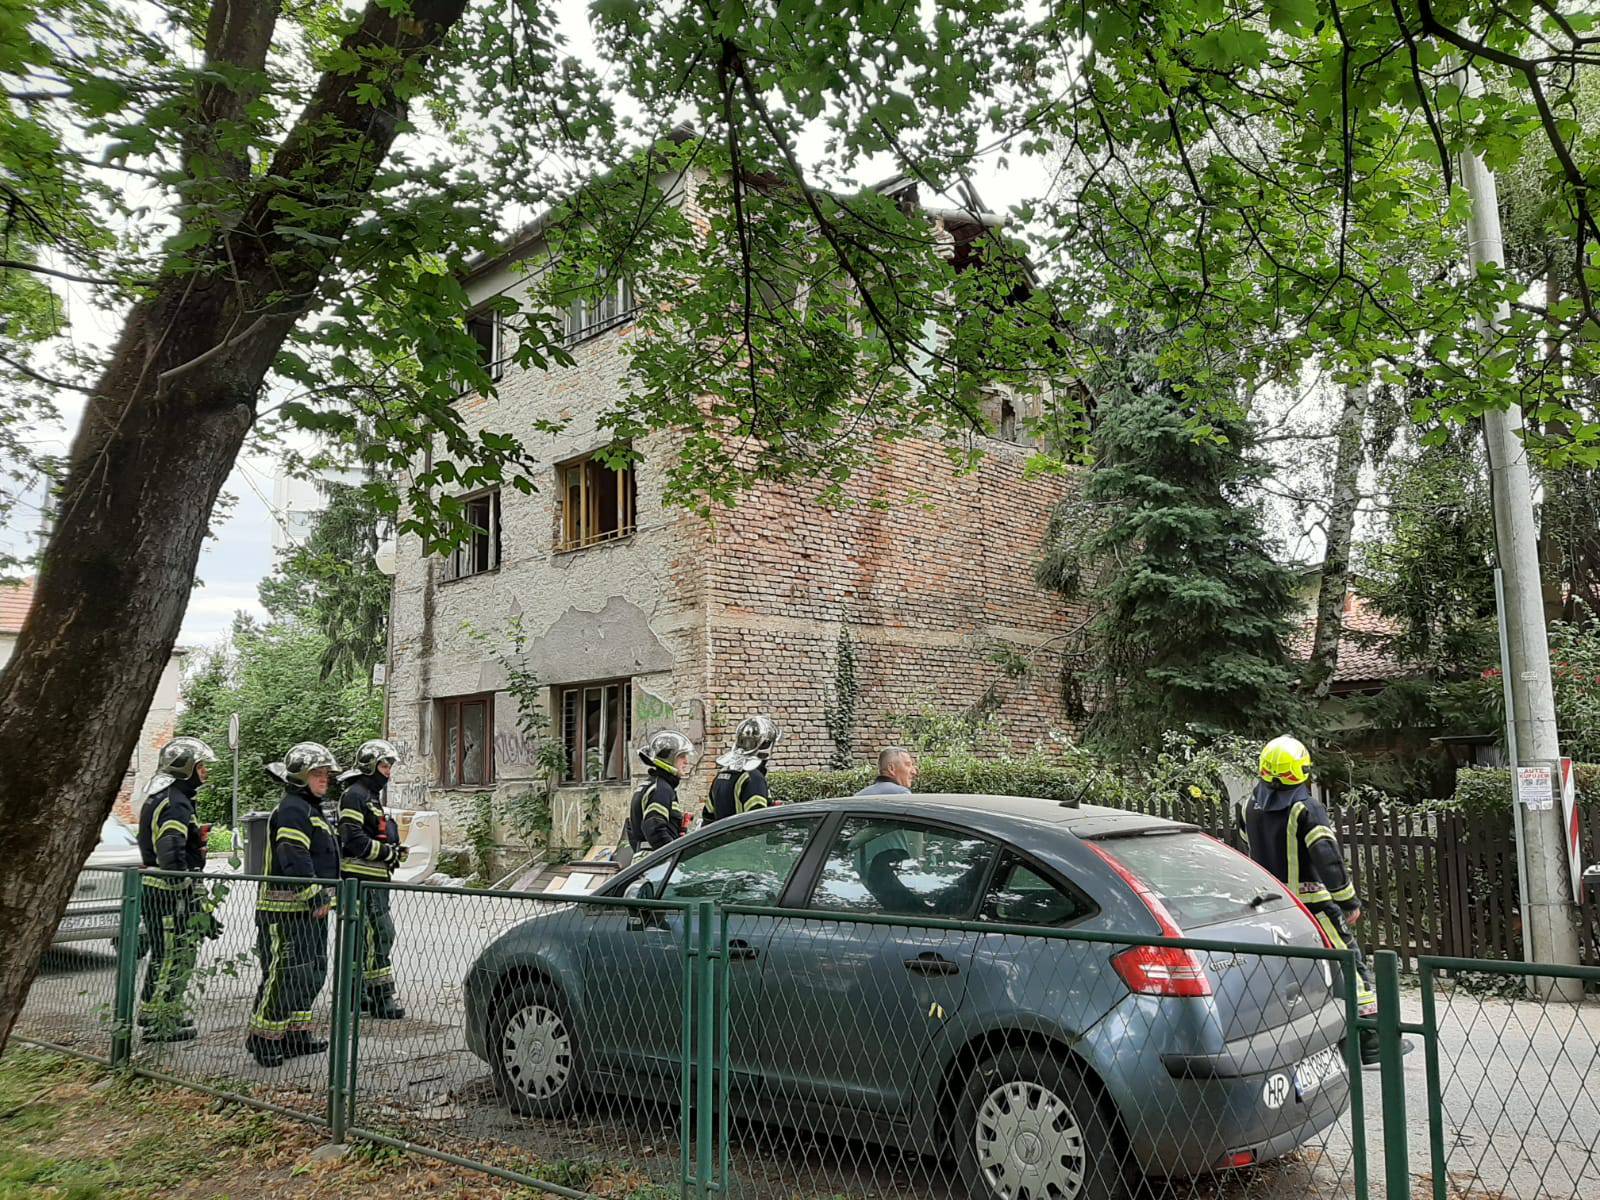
1571	827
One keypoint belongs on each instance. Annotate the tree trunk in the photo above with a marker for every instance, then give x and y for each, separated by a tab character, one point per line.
1335	581
157	441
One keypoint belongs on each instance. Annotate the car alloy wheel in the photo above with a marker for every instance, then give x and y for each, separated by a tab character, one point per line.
1029	1145
536	1052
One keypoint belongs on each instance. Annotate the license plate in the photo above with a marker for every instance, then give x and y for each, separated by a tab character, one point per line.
90	921
1317	1070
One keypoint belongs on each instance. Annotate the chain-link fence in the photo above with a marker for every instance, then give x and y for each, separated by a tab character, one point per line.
642	1048
490	1023
1509	1073
73	1003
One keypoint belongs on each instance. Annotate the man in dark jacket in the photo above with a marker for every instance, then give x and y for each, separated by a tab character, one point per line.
1290	834
370	850
173	911
292	911
741	783
655	817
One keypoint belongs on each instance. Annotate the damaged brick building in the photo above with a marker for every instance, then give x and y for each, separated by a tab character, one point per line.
639	615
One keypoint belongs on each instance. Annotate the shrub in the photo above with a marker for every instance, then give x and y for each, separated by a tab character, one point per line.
1003	777
1488	790
1184	770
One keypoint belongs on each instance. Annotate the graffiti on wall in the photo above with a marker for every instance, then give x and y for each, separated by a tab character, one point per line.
514	749
407	793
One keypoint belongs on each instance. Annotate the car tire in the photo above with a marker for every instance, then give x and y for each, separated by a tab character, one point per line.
533	1052
1029	1127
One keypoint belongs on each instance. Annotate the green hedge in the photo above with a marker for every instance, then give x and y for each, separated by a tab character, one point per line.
1486	790
1003	778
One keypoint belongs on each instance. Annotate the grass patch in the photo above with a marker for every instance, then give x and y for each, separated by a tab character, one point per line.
71	1130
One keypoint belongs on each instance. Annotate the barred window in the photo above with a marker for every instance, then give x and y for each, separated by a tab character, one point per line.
596	728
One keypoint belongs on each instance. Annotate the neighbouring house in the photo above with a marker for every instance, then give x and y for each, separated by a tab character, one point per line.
15	601
1364	664
640	616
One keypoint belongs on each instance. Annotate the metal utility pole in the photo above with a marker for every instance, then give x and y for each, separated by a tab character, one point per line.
233	744
1548	927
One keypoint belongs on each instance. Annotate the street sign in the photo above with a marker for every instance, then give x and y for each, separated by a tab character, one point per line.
1535	788
1572	827
380	674
233	732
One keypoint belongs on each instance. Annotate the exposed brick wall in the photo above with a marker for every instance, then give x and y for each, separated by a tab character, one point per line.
931	581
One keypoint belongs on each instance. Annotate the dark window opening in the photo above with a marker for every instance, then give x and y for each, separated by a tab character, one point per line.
598	503
480	551
485	330
1008	420
466	751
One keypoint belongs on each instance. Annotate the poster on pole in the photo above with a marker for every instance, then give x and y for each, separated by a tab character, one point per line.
1535	788
1572	827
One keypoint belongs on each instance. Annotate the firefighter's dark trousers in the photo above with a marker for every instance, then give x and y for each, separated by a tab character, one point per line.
168	914
1331	918
377	974
293	949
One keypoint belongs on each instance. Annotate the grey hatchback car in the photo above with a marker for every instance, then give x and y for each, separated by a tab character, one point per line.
1044	1066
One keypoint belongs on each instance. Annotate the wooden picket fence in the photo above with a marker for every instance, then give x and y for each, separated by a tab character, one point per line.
1430	882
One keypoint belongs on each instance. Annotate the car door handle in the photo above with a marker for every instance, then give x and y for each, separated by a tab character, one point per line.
931	964
740	950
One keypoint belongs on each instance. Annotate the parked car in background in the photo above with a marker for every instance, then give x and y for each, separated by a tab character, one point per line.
94	913
1045	1067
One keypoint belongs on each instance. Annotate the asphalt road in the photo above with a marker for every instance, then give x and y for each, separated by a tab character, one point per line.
1520	1082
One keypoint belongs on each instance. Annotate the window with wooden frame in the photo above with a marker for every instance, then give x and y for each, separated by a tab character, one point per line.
598	503
486	330
597	728
466	741
593	314
480	551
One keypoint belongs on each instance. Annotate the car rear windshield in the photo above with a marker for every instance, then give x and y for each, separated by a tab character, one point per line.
1198	879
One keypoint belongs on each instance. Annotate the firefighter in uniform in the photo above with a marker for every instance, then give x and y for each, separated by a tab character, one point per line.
292	914
656	818
741	783
174	911
1290	834
370	850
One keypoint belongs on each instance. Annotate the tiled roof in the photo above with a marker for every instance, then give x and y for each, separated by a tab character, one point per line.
1359	660
15	601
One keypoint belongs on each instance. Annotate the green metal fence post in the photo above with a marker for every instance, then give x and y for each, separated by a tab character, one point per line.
704	1052
1430	1054
689	1022
358	958
127	968
1352	1061
345	965
723	1007
1391	1065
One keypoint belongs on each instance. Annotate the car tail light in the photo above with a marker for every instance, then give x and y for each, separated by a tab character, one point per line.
1238	1158
1156	970
1162	971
